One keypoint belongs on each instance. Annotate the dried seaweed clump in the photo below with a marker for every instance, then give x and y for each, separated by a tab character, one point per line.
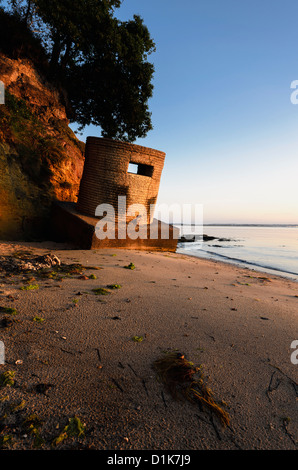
178	376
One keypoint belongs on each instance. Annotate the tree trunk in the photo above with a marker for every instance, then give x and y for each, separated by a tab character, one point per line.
66	57
56	51
28	10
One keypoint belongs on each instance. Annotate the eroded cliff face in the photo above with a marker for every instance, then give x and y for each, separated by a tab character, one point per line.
41	159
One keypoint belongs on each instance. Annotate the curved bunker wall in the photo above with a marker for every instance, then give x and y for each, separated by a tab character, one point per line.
113	169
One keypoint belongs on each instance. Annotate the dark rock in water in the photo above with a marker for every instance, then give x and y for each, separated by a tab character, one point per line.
207	238
184	239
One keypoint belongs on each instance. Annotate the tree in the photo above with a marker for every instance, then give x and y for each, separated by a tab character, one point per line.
101	62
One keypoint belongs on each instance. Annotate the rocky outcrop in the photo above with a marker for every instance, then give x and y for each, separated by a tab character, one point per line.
41	158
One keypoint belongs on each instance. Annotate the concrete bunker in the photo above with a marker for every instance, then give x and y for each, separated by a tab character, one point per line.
113	169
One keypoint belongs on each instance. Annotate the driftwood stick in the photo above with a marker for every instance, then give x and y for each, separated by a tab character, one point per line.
98	355
117	385
163	399
133	370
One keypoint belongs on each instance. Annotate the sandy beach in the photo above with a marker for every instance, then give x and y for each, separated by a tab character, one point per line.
73	353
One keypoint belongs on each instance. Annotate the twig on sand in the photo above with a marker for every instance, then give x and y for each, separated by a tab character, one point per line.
210	336
98	354
65	350
142	380
117	385
133	370
200	418
295	384
271	386
236	444
163	399
285	423
215	428
144	385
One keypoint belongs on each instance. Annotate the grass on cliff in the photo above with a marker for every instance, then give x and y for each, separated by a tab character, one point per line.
36	151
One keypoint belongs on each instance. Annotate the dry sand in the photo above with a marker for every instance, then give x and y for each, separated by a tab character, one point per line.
236	324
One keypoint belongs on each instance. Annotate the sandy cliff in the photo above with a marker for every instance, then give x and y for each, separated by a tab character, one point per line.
40	157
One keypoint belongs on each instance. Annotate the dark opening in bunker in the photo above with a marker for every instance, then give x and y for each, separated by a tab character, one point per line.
140	169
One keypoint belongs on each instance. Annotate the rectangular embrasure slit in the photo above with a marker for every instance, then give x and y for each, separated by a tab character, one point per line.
140	169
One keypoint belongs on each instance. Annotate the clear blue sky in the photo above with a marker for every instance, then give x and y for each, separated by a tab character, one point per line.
221	108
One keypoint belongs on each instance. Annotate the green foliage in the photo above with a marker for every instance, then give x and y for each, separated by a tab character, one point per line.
30	287
7	379
16	407
74	428
32	419
130	266
19	110
5	440
117	81
38	319
101	291
36	151
137	339
100	61
8	310
32	424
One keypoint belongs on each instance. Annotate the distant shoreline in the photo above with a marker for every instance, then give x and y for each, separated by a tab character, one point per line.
243	264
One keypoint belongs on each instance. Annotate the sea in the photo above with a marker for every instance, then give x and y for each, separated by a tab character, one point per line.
266	248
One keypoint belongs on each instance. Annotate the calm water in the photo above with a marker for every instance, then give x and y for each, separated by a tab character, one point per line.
265	248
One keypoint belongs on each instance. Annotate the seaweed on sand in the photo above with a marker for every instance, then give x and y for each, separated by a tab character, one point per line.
30	287
45	266
178	376
74	428
8	310
32	424
61	271
130	266
101	291
7	379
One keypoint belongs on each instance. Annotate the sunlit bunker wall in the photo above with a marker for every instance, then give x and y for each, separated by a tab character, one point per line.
114	169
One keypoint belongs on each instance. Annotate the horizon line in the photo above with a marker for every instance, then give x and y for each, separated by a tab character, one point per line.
236	224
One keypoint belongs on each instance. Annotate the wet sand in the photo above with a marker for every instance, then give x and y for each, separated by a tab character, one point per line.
81	360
